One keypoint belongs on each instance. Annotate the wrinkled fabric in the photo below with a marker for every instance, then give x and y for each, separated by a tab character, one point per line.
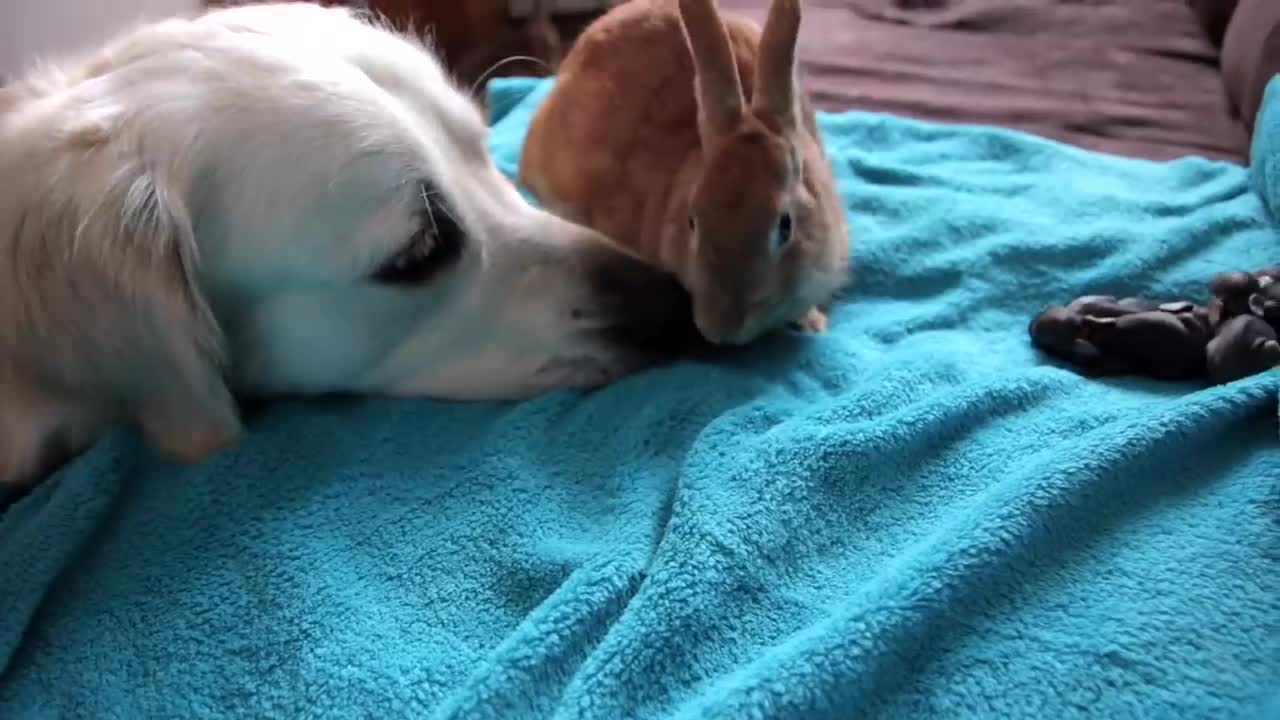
914	515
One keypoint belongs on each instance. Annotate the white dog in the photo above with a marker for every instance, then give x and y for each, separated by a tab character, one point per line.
279	199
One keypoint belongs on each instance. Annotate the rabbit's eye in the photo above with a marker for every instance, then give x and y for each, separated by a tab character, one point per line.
782	233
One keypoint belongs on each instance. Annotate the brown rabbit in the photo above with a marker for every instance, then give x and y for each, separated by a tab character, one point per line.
682	134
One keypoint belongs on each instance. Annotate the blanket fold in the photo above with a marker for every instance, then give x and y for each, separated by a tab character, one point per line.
913	515
1264	151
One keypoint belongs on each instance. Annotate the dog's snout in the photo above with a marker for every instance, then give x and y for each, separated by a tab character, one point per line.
644	309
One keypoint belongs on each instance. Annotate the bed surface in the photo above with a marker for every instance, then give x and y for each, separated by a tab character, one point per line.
914	515
1132	77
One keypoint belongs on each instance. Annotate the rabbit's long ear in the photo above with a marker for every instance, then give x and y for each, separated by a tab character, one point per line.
106	297
720	103
774	100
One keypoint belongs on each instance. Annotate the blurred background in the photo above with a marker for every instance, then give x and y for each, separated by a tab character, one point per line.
1156	79
31	28
469	32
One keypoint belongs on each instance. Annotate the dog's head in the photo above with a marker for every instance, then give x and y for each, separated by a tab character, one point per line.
283	199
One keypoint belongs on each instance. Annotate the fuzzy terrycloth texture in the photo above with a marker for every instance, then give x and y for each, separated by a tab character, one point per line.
1264	152
913	516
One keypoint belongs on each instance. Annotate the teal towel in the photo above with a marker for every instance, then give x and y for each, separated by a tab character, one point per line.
913	516
1264	151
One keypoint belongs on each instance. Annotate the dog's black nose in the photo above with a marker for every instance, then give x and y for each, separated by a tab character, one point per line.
645	309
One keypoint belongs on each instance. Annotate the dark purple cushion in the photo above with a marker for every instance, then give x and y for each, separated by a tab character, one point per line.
1214	15
1251	55
1136	77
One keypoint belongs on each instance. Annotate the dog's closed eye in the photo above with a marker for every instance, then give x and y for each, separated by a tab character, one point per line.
435	246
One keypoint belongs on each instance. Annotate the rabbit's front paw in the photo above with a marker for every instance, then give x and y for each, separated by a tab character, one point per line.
814	321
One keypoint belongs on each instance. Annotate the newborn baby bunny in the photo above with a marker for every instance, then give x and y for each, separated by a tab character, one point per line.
1233	292
683	135
1104	336
1245	345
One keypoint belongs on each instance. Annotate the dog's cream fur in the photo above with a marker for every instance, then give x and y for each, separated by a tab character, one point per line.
194	211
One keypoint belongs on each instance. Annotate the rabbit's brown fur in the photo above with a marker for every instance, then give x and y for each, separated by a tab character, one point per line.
622	144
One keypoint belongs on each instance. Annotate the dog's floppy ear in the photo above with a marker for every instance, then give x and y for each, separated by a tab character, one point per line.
108	290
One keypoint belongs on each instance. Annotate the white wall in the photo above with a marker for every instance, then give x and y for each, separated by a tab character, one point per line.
34	28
